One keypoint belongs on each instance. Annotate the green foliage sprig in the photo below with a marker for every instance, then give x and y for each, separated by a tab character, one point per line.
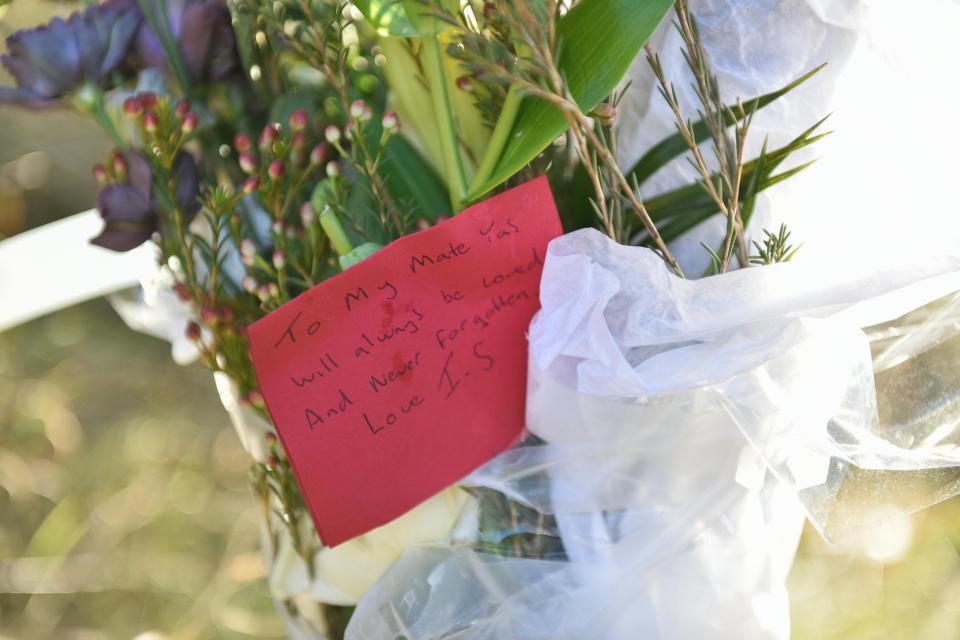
776	247
731	189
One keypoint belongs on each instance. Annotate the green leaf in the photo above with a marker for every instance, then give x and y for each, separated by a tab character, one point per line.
388	17
426	24
577	191
598	40
362	252
335	232
405	18
674	146
682	209
412	181
750	196
323	194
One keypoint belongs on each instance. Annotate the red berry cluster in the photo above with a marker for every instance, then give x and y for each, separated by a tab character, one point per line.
280	154
221	317
161	121
114	171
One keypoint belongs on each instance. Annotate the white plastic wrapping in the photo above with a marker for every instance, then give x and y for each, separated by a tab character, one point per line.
681	420
155	309
781	350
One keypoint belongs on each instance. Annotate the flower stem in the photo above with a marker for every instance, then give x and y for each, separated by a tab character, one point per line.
99	113
335	231
456	178
498	140
159	23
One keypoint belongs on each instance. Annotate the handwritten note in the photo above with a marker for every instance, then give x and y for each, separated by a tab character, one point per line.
406	372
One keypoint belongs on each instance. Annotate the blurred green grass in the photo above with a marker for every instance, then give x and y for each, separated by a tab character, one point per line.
124	506
895	582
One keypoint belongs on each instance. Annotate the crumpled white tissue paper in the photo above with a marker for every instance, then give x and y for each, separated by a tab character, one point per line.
681	421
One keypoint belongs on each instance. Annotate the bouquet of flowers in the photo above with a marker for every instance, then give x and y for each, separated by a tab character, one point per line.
266	146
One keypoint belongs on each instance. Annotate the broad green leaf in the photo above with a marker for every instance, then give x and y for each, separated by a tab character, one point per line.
680	210
750	197
418	12
577	192
412	97
414	102
405	18
472	132
388	17
675	146
412	181
335	232
323	195
598	40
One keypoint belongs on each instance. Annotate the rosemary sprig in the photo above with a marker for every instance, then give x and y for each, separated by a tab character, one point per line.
776	248
724	186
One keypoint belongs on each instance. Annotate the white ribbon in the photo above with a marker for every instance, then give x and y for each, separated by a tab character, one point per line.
55	266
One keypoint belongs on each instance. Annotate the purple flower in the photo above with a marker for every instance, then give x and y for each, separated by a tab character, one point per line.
204	34
56	59
129	210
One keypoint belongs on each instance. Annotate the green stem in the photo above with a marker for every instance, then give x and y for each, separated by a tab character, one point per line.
169	195
160	25
97	110
335	231
456	177
498	140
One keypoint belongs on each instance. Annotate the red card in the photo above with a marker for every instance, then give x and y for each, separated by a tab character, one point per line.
401	375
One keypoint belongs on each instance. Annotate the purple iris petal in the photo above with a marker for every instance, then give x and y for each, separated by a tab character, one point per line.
204	34
129	210
57	58
92	40
209	46
103	44
124	203
120	237
139	174
187	180
25	98
129	219
48	61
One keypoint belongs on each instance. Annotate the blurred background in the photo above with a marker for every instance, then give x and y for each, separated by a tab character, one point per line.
124	508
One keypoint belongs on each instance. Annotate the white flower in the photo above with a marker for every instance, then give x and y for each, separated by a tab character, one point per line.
345	573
